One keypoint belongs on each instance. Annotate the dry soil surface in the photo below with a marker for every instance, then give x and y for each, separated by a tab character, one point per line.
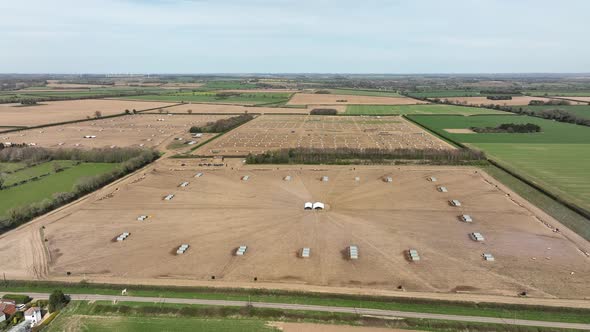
140	130
218	212
62	111
273	132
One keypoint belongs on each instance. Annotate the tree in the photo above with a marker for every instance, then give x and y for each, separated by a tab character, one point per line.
190	111
2	180
57	300
160	111
57	167
98	114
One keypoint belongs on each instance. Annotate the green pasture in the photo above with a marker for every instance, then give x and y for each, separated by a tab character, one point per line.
44	188
417	109
246	98
557	158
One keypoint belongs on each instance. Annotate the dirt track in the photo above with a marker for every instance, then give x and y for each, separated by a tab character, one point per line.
62	111
218	212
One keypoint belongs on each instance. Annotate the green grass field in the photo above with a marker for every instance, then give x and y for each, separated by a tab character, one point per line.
556	158
445	93
355	92
44	188
10	167
582	111
228	85
487	310
418	109
582	93
34	171
250	98
155	324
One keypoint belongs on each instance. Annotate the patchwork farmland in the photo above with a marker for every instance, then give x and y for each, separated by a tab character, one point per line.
556	158
266	214
417	109
515	101
143	130
71	110
333	99
270	132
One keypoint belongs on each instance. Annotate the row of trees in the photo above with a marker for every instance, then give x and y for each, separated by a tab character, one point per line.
131	159
323	111
350	156
510	128
555	102
222	125
98	155
499	97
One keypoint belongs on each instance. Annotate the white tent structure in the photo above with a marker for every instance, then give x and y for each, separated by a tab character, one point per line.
241	250
466	218
413	255
443	189
318	206
455	202
308	206
353	252
477	236
305	252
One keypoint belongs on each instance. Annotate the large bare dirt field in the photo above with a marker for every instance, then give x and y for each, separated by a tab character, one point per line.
518	100
62	111
272	132
62	85
218	212
233	109
331	99
149	130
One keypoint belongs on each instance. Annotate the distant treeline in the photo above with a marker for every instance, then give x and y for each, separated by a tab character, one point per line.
510	128
222	125
323	111
130	159
549	102
352	156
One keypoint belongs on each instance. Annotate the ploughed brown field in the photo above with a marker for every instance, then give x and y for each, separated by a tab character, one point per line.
515	101
142	130
331	99
584	99
62	111
218	212
238	109
272	132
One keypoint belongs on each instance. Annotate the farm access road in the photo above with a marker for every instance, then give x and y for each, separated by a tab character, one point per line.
348	310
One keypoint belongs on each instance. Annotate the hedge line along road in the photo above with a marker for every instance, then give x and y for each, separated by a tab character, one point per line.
348	310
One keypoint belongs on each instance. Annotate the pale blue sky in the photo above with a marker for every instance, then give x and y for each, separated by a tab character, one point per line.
331	36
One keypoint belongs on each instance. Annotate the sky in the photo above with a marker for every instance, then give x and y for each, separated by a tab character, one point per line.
299	36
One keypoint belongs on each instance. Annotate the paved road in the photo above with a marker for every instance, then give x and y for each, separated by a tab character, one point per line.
350	310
